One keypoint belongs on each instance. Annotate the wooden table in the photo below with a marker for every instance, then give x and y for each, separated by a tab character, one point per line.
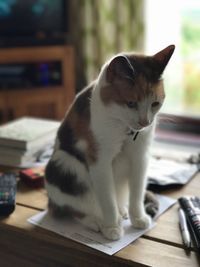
22	244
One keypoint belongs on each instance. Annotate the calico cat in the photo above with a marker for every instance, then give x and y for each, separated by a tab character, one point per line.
97	171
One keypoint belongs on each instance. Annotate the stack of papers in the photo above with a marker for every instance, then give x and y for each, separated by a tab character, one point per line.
22	140
71	229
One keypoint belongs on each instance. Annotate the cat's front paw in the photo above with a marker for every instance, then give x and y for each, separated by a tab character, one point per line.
112	232
141	222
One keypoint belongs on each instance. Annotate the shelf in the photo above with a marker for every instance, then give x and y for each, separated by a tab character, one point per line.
15	103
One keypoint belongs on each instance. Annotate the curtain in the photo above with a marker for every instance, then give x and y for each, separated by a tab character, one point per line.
102	28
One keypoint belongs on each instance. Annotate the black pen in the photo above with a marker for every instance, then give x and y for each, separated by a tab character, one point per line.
184	229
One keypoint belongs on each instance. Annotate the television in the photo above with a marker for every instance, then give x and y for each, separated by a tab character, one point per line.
29	21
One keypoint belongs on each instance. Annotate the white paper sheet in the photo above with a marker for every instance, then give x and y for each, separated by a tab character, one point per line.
75	231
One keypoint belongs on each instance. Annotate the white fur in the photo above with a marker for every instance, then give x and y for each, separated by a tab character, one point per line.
117	180
120	161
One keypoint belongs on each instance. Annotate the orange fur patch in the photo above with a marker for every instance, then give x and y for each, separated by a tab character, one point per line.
124	91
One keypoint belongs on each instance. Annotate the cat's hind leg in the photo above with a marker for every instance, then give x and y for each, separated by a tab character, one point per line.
151	203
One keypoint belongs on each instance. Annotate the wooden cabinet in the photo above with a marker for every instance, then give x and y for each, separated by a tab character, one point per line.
44	101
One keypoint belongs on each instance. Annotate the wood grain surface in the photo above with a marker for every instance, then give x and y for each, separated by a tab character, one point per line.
26	245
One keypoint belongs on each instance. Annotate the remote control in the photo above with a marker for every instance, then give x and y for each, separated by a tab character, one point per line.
191	207
7	193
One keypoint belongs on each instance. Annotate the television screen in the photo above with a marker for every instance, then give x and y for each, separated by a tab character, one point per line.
30	17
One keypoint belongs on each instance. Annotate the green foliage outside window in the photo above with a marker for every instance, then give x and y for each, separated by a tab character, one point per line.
191	58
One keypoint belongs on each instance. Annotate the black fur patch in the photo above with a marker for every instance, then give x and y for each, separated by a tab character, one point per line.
63	211
65	133
65	181
147	67
67	142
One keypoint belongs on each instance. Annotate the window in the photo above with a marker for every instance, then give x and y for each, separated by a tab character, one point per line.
177	22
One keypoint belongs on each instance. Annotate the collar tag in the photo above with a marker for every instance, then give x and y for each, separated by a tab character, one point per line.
133	134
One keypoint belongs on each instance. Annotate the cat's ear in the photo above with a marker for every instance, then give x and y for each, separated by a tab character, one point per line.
120	68
162	58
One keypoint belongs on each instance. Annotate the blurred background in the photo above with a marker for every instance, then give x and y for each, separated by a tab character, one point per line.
96	30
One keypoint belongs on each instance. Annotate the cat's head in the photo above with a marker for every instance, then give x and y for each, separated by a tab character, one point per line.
134	87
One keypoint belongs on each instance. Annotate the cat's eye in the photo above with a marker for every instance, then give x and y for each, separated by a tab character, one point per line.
132	104
155	104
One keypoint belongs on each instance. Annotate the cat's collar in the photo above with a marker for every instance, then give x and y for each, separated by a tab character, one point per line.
134	134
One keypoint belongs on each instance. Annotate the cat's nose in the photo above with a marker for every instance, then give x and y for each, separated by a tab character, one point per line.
144	122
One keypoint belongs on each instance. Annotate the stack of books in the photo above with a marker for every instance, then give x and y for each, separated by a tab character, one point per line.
22	140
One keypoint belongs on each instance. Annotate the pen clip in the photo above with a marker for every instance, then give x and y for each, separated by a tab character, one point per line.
184	228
